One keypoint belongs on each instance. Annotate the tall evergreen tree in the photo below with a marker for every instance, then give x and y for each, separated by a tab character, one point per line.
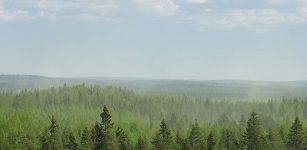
141	144
122	140
72	144
85	143
97	137
163	140
296	136
45	144
253	133
195	138
211	142
55	141
273	141
182	143
228	139
106	126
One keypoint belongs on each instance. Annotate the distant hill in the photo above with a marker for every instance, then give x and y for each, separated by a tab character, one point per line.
213	89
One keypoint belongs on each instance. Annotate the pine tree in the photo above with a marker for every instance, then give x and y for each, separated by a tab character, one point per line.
253	133
163	140
141	144
228	139
211	142
296	136
85	143
195	137
122	139
45	145
273	140
71	144
181	143
55	141
106	126
97	136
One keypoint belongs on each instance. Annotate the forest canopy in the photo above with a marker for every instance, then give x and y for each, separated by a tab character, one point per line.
91	117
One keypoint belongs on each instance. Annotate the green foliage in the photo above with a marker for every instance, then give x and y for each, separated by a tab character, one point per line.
24	120
196	138
123	140
163	139
85	143
141	144
253	134
211	142
296	135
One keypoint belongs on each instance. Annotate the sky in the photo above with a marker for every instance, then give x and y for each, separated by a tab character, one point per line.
155	39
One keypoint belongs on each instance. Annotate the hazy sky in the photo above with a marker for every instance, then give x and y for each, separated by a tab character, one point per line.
172	39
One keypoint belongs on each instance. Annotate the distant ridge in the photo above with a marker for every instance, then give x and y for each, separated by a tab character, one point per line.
214	89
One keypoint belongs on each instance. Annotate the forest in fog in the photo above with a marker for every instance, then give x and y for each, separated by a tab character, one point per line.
97	117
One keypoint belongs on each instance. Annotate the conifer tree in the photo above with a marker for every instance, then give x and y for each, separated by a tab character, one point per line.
253	133
106	126
211	142
182	143
163	140
55	141
72	144
195	137
141	144
122	139
228	139
45	145
296	136
97	136
273	140
85	143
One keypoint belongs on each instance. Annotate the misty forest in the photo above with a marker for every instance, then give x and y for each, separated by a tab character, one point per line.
84	116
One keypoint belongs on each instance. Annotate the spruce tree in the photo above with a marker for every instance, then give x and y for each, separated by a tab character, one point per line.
122	139
252	137
141	144
296	136
228	139
195	137
211	142
182	143
45	144
163	140
72	144
85	143
273	140
55	141
97	137
106	126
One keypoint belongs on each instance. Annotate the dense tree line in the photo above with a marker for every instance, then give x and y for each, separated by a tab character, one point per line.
146	121
104	137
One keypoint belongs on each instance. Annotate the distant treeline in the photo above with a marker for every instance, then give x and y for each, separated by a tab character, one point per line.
186	122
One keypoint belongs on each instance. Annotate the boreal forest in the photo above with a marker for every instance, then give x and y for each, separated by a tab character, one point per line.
86	116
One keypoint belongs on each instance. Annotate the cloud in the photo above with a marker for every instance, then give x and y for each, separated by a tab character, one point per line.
264	18
13	16
196	1
160	7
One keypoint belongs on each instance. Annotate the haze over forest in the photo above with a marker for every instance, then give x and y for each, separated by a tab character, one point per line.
153	75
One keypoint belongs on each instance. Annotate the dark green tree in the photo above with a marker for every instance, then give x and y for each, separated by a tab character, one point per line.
106	127
296	136
97	137
45	144
141	144
228	139
163	139
71	144
122	140
54	140
211	142
182	143
85	143
196	138
253	134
